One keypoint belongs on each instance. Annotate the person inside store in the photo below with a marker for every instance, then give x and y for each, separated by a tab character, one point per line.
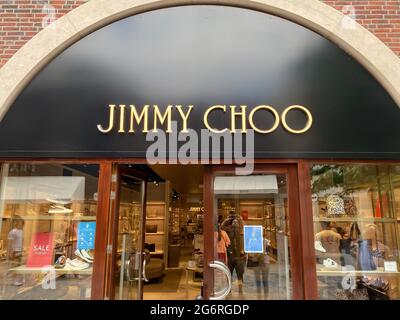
233	226
378	250
259	262
15	248
222	242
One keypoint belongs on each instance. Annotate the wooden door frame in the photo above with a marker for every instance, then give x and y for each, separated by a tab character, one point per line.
112	238
301	255
102	221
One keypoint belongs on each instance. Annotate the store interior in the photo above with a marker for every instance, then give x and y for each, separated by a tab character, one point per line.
174	234
49	216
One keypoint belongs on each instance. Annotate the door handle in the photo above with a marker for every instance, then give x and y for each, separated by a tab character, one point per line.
144	270
128	272
220	295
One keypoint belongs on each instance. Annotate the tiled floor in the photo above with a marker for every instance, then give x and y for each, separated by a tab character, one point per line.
178	290
278	286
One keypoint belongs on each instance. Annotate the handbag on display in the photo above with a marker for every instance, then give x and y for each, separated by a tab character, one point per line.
350	207
356	294
151	228
335	205
377	288
150	246
245	215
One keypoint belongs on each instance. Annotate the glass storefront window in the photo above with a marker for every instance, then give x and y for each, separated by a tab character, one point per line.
356	215
252	236
48	221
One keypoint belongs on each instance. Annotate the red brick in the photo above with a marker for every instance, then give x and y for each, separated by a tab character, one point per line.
22	20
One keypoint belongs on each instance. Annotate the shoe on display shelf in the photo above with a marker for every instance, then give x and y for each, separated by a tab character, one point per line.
77	264
329	263
59	209
60	262
79	254
59	201
86	254
318	246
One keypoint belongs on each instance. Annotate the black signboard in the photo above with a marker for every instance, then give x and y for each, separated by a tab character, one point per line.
203	56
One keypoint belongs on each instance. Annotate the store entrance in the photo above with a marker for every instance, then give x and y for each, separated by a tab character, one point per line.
159	230
190	232
253	225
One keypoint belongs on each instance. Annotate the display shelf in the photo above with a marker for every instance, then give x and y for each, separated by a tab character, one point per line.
66	270
84	218
155	233
158	218
54	217
157	252
354	219
342	273
255	219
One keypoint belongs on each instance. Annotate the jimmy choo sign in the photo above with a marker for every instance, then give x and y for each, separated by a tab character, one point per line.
130	119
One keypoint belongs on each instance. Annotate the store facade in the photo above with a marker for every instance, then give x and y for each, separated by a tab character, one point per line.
318	130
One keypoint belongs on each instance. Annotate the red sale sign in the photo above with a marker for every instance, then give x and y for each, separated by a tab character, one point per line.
41	250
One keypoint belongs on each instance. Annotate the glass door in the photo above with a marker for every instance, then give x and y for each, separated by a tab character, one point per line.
250	223
129	259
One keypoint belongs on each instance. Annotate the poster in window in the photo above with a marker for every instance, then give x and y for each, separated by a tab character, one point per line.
41	250
86	232
253	239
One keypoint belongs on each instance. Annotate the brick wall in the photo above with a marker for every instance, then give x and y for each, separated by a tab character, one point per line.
20	20
381	17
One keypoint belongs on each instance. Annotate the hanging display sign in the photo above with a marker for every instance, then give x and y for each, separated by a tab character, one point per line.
253	239
86	233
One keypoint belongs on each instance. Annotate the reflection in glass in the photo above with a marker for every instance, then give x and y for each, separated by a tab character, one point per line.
48	222
129	250
356	233
251	236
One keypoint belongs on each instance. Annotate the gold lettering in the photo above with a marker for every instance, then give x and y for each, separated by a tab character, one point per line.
205	119
121	118
184	117
268	108
309	119
110	121
242	113
162	118
144	115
